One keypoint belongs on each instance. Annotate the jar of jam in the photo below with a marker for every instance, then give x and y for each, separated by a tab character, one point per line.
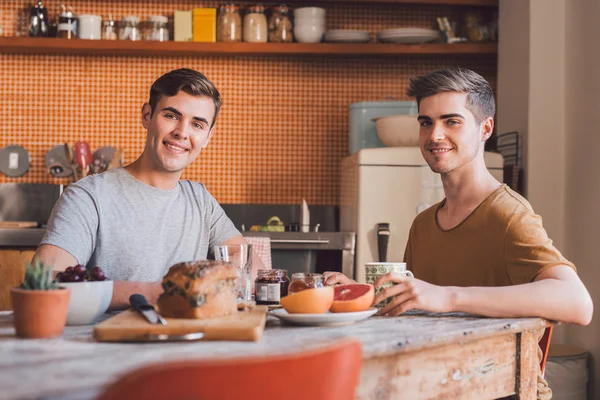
301	281
271	285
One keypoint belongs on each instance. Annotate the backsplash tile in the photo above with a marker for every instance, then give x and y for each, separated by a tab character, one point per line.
283	128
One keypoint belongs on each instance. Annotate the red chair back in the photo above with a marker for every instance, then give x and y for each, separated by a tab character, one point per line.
322	374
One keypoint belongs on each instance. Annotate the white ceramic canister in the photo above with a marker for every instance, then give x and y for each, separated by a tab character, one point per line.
90	27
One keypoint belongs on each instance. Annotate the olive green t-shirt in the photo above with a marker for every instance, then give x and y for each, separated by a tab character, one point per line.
501	243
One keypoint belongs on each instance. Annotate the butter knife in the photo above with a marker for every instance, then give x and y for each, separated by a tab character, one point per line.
140	303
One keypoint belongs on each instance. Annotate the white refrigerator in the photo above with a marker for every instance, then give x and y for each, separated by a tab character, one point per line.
389	185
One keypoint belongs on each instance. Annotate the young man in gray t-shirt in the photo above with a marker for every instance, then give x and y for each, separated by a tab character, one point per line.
137	221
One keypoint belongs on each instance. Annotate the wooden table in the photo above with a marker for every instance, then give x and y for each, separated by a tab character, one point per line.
416	356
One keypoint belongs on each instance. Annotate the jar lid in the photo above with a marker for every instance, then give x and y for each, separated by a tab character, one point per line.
257	8
272	271
131	18
281	8
229	7
302	275
67	11
67	14
158	18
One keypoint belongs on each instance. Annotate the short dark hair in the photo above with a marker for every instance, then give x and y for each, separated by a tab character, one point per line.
191	82
480	99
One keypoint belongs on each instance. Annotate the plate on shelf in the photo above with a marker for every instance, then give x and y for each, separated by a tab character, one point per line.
327	318
347	36
408	35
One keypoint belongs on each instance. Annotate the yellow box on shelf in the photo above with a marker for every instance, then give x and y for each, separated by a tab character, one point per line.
205	24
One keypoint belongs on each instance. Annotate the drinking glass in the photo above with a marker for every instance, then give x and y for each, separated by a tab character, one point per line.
238	255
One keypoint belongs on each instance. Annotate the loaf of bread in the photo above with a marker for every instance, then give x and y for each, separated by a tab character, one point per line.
199	289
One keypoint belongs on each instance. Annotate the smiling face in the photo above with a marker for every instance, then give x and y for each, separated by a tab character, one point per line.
450	138
178	130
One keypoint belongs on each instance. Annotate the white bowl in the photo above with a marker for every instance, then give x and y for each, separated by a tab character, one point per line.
309	33
305	12
318	20
398	130
309	21
89	300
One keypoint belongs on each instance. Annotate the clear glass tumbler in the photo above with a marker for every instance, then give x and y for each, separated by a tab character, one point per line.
238	255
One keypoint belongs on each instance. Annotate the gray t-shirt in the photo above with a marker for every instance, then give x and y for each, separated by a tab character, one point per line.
134	231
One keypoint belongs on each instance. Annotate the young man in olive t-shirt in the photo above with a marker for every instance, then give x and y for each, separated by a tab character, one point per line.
482	250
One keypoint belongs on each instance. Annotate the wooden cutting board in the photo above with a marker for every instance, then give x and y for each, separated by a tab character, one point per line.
18	224
247	326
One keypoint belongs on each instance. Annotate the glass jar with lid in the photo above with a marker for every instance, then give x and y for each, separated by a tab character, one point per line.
157	28
109	31
301	281
271	285
66	27
280	25
229	26
130	28
255	25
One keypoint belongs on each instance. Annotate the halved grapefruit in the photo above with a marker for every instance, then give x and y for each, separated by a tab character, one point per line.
352	298
309	301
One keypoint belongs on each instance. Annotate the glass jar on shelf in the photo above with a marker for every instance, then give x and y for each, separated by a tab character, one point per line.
255	25
301	281
129	28
109	30
157	28
280	25
66	27
229	25
271	285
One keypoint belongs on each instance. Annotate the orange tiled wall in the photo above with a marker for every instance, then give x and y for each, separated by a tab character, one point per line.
284	124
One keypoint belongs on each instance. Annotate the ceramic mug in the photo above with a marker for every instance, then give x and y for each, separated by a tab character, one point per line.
374	270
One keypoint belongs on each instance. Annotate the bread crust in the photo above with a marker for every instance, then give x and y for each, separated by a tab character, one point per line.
199	290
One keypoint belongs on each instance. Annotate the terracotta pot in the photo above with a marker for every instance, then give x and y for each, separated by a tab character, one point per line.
39	313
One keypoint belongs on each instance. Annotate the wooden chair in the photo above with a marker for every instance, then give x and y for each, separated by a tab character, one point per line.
326	373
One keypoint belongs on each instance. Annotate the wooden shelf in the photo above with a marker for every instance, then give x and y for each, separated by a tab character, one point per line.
480	3
26	45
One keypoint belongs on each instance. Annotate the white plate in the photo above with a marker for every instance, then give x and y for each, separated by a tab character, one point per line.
417	39
407	31
347	36
347	32
327	318
347	40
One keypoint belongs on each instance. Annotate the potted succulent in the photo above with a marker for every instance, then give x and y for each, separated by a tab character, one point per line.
39	305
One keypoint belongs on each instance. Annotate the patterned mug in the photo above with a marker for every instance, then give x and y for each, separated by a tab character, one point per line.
374	270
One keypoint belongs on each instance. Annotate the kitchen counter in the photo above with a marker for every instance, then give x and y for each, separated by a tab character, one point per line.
414	356
344	241
28	238
31	238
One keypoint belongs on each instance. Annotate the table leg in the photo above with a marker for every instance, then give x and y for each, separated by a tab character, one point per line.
527	365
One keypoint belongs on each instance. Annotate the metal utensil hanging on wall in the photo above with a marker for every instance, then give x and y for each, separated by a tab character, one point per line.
14	161
102	158
57	162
